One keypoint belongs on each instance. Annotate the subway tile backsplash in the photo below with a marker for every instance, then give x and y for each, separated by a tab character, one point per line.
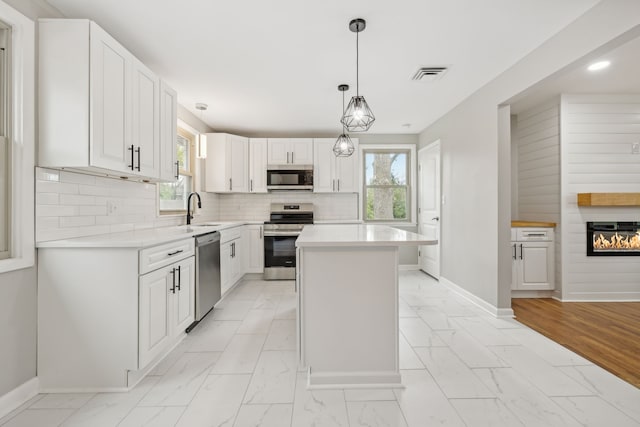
255	207
70	204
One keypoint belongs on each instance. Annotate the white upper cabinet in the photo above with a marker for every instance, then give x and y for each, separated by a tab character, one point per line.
111	107
146	120
168	133
257	165
333	174
290	151
99	106
227	163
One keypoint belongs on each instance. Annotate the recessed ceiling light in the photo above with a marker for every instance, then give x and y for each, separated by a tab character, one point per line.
600	65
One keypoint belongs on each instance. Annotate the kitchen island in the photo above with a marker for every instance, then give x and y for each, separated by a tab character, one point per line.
347	284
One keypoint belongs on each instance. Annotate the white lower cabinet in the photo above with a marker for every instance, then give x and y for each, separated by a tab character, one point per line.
106	315
166	307
533	258
255	253
232	264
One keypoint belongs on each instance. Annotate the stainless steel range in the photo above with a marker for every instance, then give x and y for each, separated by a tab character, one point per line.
280	234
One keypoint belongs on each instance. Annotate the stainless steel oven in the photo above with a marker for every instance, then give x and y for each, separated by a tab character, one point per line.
280	234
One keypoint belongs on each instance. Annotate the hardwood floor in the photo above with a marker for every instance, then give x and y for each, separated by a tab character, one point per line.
608	334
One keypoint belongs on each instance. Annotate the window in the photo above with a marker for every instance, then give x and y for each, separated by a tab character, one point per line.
5	147
17	143
173	195
387	184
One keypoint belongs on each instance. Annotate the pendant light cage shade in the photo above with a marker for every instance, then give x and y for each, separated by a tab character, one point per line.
358	117
344	146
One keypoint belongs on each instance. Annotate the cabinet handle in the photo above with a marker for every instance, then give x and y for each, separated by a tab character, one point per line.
251	185
514	252
338	184
287	157
173	288
177	169
230	186
260	232
138	151
175	253
520	250
233	246
536	234
131	149
292	153
179	279
333	185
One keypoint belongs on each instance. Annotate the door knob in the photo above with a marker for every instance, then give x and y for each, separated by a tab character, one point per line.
437	218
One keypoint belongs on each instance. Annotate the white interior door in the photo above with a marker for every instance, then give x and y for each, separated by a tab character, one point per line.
429	207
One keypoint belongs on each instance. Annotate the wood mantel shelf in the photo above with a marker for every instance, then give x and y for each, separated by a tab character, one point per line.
608	199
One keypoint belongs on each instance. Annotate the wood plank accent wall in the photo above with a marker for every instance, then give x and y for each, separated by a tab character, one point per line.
538	150
597	132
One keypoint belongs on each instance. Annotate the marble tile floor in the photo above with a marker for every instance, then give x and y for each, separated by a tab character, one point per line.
460	366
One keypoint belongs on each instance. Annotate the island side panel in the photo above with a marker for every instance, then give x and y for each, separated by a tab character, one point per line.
349	314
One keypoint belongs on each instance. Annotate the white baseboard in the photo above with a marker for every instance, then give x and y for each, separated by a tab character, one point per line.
408	267
19	395
489	308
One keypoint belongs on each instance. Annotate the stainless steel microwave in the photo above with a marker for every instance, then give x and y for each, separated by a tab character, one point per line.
290	177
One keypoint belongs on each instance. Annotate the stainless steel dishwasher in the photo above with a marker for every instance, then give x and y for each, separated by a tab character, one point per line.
207	274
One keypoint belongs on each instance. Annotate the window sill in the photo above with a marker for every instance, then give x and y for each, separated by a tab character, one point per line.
13	264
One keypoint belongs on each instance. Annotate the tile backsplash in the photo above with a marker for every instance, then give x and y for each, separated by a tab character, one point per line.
72	204
256	207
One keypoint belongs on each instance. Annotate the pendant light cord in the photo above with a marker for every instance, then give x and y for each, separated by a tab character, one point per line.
357	63
344	128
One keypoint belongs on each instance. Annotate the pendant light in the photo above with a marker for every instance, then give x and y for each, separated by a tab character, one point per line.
344	145
358	117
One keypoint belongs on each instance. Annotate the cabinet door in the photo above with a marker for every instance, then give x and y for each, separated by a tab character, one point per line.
347	172
324	162
225	267
110	88
278	151
184	298
258	165
515	266
168	133
536	265
216	164
238	163
145	126
154	307
255	253
301	151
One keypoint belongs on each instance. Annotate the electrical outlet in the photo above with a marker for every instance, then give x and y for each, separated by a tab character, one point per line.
635	148
113	207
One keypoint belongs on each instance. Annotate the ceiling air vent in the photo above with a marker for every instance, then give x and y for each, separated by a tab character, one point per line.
429	73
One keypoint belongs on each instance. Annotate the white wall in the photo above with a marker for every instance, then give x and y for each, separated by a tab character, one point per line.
597	133
473	169
18	288
537	140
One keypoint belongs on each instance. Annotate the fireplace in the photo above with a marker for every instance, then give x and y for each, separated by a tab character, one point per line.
612	238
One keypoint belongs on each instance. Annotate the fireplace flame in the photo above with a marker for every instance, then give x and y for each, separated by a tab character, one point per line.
617	242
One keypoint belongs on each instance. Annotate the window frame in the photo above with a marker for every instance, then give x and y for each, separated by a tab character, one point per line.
21	141
191	135
410	150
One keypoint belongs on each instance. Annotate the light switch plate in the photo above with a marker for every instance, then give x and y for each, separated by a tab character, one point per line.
635	148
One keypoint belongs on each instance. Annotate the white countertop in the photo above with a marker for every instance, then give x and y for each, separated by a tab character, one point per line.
359	235
142	238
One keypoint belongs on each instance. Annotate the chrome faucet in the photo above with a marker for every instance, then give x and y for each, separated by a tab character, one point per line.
189	216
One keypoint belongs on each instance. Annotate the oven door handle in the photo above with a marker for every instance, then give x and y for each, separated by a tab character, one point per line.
281	233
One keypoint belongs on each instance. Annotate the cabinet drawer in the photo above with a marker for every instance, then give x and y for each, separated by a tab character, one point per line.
230	234
534	234
159	256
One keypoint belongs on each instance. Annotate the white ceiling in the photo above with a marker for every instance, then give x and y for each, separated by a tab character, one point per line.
273	67
621	77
